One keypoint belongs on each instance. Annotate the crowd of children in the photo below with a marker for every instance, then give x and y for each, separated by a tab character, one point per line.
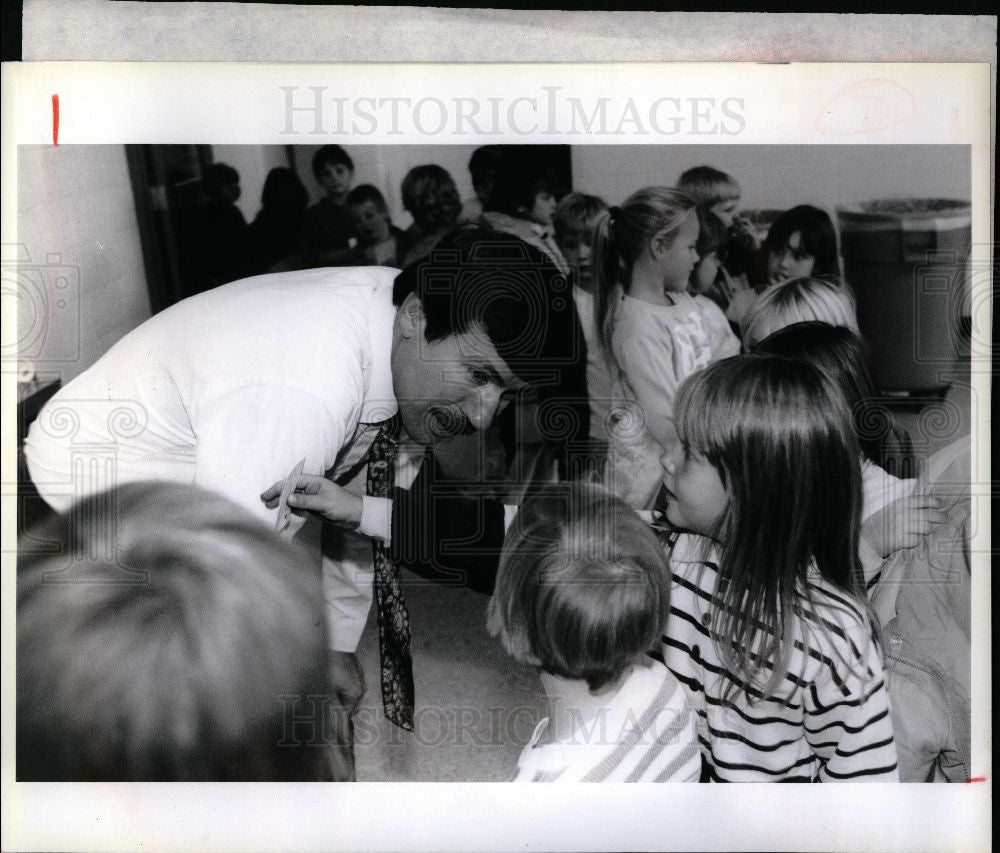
718	602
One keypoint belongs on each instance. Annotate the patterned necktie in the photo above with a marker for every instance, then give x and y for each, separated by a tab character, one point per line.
393	620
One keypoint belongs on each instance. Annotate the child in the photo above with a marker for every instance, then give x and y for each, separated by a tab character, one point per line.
652	333
521	202
713	191
222	230
274	232
802	242
379	241
483	167
325	231
172	638
768	627
709	277
796	301
431	197
574	221
893	518
581	593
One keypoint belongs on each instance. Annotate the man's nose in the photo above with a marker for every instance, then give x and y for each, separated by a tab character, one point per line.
483	406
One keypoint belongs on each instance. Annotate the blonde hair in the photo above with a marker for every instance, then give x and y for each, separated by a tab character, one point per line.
619	237
583	588
800	300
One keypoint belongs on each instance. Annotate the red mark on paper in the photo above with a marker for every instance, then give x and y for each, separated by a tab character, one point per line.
976	779
55	119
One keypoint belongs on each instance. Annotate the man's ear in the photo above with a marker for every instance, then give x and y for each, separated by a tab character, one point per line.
411	316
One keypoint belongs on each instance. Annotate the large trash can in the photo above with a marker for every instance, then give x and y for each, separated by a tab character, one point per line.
907	261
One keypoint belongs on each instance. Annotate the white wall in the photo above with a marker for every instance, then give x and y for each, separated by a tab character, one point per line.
253	162
781	176
81	283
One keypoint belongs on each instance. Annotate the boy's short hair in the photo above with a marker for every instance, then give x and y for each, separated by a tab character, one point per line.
713	236
575	215
330	154
708	186
172	638
583	589
365	193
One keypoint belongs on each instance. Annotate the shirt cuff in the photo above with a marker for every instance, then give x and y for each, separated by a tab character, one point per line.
376	518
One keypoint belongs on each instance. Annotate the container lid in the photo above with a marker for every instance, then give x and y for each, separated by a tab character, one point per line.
906	213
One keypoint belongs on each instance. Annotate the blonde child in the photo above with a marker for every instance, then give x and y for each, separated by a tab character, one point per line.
769	630
651	331
713	191
582	593
800	300
574	221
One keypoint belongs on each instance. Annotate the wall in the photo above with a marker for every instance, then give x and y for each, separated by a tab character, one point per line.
81	280
253	162
781	176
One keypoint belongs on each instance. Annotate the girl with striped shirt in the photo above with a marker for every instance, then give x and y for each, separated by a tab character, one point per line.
769	631
582	593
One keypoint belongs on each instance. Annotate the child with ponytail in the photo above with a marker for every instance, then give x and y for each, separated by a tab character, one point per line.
651	331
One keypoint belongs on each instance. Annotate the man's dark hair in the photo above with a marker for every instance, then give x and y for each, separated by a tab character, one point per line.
480	278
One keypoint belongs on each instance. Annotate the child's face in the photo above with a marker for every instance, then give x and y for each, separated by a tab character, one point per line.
696	498
726	210
336	179
576	250
705	272
678	257
789	261
369	222
543	208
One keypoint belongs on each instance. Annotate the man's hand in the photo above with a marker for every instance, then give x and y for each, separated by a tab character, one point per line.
318	495
903	523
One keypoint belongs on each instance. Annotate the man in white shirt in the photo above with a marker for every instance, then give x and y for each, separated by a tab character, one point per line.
231	388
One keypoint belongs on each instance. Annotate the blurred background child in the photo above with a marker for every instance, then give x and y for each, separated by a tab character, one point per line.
574	221
326	232
275	230
712	191
582	593
380	243
173	637
222	230
431	197
521	202
651	331
483	166
709	277
769	628
801	243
